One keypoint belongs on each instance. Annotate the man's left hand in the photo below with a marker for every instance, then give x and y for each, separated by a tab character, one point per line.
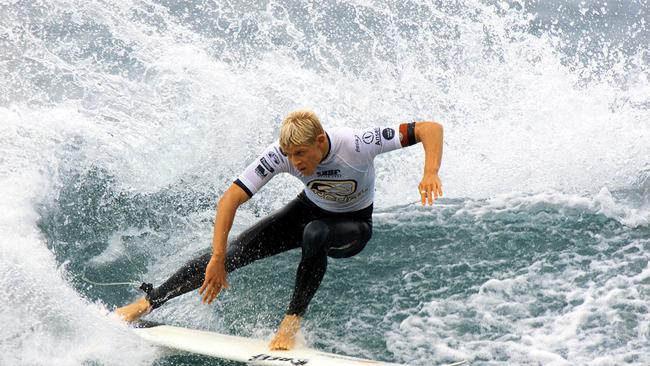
430	188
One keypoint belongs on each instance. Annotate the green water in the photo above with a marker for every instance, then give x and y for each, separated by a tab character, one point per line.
464	272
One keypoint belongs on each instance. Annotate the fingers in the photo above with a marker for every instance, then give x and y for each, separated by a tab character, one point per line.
437	191
210	290
203	287
215	281
430	193
211	294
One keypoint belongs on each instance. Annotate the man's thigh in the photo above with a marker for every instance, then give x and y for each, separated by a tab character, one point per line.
347	236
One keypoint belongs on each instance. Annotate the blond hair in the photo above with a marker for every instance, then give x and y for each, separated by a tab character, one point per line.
299	127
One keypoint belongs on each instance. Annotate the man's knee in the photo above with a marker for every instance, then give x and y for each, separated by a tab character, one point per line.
314	239
353	246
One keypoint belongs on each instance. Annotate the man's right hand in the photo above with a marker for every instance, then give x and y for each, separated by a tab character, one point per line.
215	272
215	279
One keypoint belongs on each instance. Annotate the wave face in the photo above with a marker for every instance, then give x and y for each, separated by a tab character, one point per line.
121	123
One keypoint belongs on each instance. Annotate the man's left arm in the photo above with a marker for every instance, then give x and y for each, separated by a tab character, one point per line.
430	134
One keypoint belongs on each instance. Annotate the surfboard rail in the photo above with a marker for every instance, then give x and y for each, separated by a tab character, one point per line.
247	350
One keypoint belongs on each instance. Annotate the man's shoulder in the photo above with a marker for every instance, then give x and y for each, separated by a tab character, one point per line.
348	144
340	131
273	158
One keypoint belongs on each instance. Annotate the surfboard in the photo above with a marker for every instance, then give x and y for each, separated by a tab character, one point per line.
247	350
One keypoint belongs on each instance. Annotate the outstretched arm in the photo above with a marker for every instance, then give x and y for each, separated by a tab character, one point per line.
215	272
430	134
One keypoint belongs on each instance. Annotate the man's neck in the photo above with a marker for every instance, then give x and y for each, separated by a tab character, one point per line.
325	150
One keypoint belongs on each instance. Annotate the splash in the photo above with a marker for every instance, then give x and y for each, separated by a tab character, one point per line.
167	101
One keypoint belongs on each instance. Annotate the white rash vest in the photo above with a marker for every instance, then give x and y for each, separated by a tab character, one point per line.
345	180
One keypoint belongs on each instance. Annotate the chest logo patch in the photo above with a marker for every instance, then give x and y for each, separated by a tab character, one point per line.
333	190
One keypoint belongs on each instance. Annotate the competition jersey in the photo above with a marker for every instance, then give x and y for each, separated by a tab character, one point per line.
344	181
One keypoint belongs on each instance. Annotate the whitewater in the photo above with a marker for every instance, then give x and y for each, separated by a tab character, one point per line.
122	123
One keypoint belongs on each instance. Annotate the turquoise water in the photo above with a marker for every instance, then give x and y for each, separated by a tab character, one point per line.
122	123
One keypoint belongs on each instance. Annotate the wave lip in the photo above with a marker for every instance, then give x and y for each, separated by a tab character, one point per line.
628	212
170	101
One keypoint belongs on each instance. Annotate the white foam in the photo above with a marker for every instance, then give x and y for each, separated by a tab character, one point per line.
499	321
517	118
602	203
44	321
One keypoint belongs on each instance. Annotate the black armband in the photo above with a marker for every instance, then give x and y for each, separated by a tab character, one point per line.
407	134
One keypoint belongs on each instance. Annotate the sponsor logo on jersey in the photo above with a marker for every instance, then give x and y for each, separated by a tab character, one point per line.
289	360
329	173
377	136
273	157
388	133
267	165
357	148
367	137
333	190
342	191
260	171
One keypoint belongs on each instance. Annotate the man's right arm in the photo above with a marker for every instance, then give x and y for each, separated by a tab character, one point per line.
228	204
252	179
215	273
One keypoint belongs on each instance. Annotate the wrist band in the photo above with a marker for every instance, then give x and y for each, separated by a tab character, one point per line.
410	132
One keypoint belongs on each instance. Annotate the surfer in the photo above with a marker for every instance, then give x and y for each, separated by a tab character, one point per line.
331	217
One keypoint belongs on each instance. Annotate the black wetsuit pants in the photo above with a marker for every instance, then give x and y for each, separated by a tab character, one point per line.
298	224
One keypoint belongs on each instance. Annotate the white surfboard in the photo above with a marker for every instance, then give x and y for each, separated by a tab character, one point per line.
248	350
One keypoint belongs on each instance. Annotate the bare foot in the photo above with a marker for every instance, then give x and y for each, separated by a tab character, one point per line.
134	311
285	338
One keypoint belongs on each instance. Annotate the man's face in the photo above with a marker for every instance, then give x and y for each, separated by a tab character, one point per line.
306	157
